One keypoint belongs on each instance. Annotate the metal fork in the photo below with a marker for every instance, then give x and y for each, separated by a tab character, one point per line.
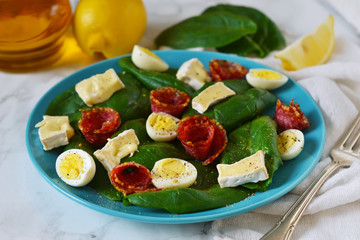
346	151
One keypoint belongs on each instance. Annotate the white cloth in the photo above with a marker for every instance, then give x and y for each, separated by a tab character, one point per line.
349	10
335	86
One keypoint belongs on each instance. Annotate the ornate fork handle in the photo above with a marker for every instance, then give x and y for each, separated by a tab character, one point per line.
284	228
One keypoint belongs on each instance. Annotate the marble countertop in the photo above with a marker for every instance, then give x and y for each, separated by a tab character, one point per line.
32	209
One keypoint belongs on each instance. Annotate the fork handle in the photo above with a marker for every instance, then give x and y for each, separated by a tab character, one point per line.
284	228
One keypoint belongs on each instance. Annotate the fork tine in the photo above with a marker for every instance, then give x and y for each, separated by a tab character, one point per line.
355	145
343	142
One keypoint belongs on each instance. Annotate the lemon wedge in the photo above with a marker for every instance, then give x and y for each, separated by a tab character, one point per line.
313	49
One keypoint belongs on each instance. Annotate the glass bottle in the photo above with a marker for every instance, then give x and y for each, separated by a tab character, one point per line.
32	33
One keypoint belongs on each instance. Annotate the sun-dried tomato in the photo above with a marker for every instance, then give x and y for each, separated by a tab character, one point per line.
130	177
224	70
290	117
169	100
98	124
202	137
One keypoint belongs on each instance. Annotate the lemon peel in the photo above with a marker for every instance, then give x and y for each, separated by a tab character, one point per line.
313	49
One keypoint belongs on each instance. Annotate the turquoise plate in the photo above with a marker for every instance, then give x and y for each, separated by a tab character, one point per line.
285	179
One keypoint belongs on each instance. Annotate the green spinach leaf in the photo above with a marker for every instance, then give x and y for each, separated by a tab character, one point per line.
266	39
153	80
149	153
139	126
187	200
211	30
259	134
239	86
130	102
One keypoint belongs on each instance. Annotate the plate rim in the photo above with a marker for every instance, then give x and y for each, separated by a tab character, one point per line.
180	218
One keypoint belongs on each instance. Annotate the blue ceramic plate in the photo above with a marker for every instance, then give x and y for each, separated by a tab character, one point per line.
285	179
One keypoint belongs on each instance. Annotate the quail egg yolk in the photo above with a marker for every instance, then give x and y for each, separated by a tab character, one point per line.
162	127
162	123
267	74
71	166
170	168
265	78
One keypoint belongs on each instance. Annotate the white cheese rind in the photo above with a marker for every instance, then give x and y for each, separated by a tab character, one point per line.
249	169
210	96
54	131
193	73
99	88
117	148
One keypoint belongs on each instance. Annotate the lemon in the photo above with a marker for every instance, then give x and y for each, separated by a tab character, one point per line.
313	49
109	27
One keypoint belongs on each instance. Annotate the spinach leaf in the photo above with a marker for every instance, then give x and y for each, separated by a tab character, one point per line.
239	86
149	153
266	39
212	30
187	200
259	134
152	80
239	108
67	103
139	126
242	108
130	102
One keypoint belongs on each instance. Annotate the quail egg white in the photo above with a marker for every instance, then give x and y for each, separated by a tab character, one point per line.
144	59
265	78
173	173
162	127
75	167
290	143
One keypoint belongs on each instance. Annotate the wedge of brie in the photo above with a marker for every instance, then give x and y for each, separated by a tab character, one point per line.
193	73
211	95
99	88
249	169
54	131
117	148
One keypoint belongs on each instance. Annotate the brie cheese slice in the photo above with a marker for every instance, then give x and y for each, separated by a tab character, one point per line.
99	88
249	169
54	131
117	148
210	96
193	73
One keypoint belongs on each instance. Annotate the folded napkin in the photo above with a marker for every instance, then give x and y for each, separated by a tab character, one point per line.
334	212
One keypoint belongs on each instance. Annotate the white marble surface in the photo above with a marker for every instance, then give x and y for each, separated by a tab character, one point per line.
31	209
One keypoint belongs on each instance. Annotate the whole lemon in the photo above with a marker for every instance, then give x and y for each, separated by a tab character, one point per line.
109	27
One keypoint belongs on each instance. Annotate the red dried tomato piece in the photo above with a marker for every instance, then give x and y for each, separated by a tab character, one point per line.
290	117
169	100
99	124
224	70
202	137
130	177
